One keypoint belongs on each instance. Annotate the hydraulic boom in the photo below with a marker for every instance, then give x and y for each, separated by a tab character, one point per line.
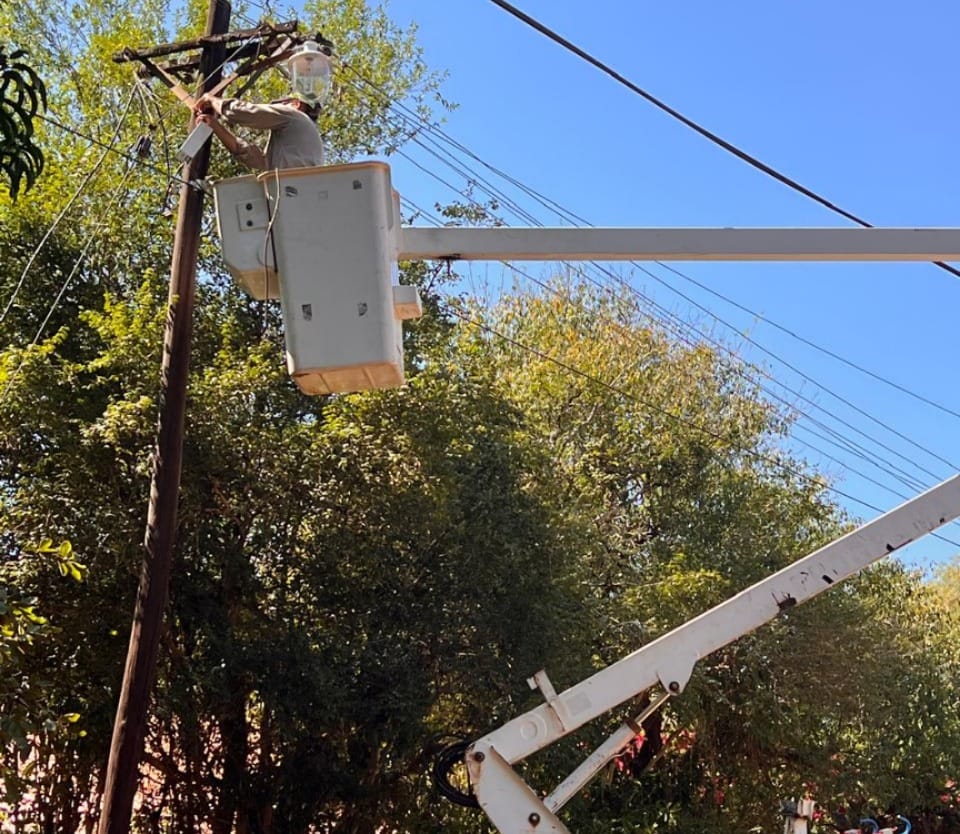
514	808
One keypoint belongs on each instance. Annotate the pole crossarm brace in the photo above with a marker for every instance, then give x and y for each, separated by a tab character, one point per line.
254	67
679	244
264	30
255	55
175	87
258	49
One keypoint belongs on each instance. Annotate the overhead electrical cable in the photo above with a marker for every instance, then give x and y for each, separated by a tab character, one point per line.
419	122
809	343
80	188
791	366
150	101
820	385
572	369
845	444
123	154
91	239
713	137
776	462
840	441
863	453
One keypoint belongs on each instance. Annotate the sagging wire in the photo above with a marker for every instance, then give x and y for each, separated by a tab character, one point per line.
91	239
83	184
759	456
123	155
907	480
690	123
148	97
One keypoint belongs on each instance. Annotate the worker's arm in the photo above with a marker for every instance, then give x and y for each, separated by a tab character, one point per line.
244	151
255	116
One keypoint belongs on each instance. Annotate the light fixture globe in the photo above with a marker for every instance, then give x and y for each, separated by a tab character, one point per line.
309	70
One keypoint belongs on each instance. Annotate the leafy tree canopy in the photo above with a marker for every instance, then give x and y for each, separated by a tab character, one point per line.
358	576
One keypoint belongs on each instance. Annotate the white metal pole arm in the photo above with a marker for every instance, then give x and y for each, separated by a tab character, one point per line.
692	244
620	738
669	660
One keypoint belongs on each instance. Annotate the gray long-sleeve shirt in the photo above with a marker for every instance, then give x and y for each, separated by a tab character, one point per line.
294	139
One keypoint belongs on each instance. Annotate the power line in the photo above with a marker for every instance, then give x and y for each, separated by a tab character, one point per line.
417	121
91	239
573	217
578	372
654	408
110	149
735	365
776	462
909	481
786	364
66	208
904	478
148	98
820	385
847	445
825	351
676	114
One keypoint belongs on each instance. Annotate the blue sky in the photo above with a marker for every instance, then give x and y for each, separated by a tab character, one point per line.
855	100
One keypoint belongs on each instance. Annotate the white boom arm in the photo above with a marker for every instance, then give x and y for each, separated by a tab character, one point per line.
512	805
334	245
678	244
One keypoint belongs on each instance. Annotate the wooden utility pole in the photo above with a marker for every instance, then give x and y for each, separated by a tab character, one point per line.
129	729
257	50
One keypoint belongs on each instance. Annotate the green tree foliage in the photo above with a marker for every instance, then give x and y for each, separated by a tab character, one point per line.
674	470
947	584
27	713
22	95
358	576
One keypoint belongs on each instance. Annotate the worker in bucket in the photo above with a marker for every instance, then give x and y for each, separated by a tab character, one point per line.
294	140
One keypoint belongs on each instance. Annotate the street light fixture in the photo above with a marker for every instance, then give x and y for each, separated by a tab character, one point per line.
309	68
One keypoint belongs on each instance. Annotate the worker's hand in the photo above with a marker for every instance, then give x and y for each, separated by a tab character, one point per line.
207	117
204	105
